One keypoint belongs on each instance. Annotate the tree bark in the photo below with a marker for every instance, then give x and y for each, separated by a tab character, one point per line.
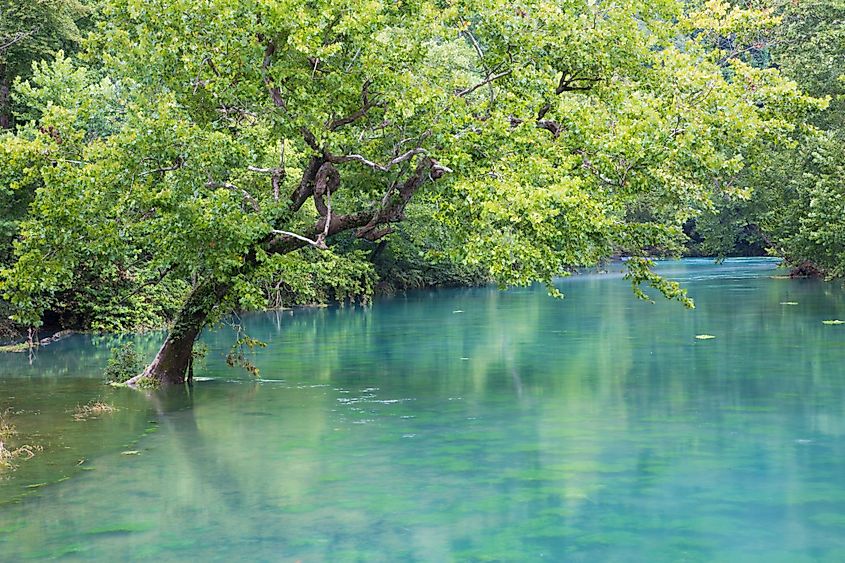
173	360
5	100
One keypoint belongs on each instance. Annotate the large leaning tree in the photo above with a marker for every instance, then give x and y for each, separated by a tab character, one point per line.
221	136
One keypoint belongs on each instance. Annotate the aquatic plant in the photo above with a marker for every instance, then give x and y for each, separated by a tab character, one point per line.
92	410
7	429
10	455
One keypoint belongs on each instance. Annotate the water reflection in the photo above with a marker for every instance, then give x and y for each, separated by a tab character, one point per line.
519	428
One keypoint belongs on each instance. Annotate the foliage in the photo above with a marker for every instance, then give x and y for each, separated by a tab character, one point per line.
807	185
640	272
31	31
311	277
239	354
148	383
810	48
124	364
221	136
795	210
415	256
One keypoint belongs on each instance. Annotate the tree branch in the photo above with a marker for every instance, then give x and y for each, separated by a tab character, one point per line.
488	80
366	105
366	221
375	166
315	243
277	175
177	164
567	81
247	196
17	38
275	93
306	184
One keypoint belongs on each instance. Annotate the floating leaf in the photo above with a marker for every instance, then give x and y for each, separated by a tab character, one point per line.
834	322
704	337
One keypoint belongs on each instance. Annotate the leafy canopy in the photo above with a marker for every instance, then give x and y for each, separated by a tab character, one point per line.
537	135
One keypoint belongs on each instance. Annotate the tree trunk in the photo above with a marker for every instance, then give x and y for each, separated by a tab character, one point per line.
173	360
5	100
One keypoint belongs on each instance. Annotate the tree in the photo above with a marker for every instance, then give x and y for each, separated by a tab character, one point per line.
797	187
540	135
32	30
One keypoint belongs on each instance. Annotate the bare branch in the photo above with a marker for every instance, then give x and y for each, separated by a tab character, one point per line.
280	174
366	221
374	165
321	238
310	139
276	174
393	204
568	80
315	243
306	184
275	93
477	46
16	38
326	181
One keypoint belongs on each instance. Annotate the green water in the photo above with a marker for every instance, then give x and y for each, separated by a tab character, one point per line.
460	425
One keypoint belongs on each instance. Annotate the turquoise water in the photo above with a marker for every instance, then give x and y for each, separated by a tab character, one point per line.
459	425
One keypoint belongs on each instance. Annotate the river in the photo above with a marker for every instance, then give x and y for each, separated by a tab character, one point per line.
458	425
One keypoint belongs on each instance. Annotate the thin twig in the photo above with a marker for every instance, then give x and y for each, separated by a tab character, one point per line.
484	82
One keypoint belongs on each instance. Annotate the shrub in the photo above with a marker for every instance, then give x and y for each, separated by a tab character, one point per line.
124	364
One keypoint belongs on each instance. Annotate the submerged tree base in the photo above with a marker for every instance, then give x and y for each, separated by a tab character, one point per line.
141	381
806	269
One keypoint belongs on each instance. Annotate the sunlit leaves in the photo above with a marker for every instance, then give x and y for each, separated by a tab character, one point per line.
574	130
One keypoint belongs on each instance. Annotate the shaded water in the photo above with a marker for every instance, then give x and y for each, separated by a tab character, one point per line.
460	425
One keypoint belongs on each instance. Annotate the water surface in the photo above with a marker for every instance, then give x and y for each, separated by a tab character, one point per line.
459	425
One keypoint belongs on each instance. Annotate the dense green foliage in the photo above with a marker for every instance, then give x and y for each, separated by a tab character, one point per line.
204	142
804	213
798	189
124	363
30	31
